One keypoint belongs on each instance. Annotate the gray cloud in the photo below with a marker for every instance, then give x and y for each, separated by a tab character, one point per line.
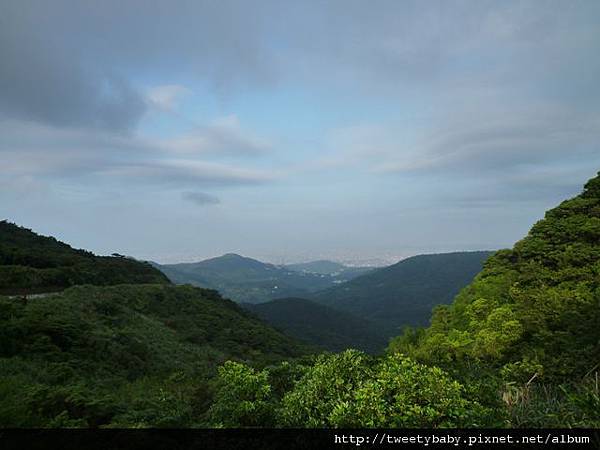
68	63
42	80
544	185
499	142
29	149
183	172
200	198
500	155
434	107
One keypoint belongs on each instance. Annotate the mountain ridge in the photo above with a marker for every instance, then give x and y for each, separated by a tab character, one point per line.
31	263
404	293
248	280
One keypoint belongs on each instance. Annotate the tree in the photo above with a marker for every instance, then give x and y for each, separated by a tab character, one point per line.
242	398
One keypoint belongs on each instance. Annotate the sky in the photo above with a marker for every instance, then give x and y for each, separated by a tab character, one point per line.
359	131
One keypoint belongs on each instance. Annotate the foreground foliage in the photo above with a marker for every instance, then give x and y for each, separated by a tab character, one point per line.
349	389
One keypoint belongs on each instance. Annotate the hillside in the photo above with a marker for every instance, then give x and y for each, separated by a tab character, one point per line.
127	355
405	293
320	325
245	279
534	309
33	263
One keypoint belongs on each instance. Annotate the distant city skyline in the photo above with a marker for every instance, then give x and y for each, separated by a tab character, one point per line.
343	130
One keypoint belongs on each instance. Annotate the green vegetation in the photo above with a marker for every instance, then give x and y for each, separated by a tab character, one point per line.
519	347
320	325
404	294
349	389
32	263
242	397
531	318
127	355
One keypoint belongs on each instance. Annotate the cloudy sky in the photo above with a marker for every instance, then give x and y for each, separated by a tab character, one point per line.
177	130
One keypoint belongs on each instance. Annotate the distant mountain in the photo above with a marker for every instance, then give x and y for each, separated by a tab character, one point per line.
247	280
33	263
320	325
405	293
325	267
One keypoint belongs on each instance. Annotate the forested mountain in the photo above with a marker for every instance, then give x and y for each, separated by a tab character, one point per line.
534	309
127	355
247	280
325	267
33	263
405	293
320	325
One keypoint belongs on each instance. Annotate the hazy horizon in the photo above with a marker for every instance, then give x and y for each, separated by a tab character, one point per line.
294	131
354	260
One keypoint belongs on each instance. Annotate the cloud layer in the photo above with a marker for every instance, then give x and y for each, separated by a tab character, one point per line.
304	118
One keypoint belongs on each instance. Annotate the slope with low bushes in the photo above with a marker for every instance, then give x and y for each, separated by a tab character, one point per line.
126	355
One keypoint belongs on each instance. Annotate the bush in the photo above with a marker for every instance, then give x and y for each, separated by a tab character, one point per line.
328	384
402	393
